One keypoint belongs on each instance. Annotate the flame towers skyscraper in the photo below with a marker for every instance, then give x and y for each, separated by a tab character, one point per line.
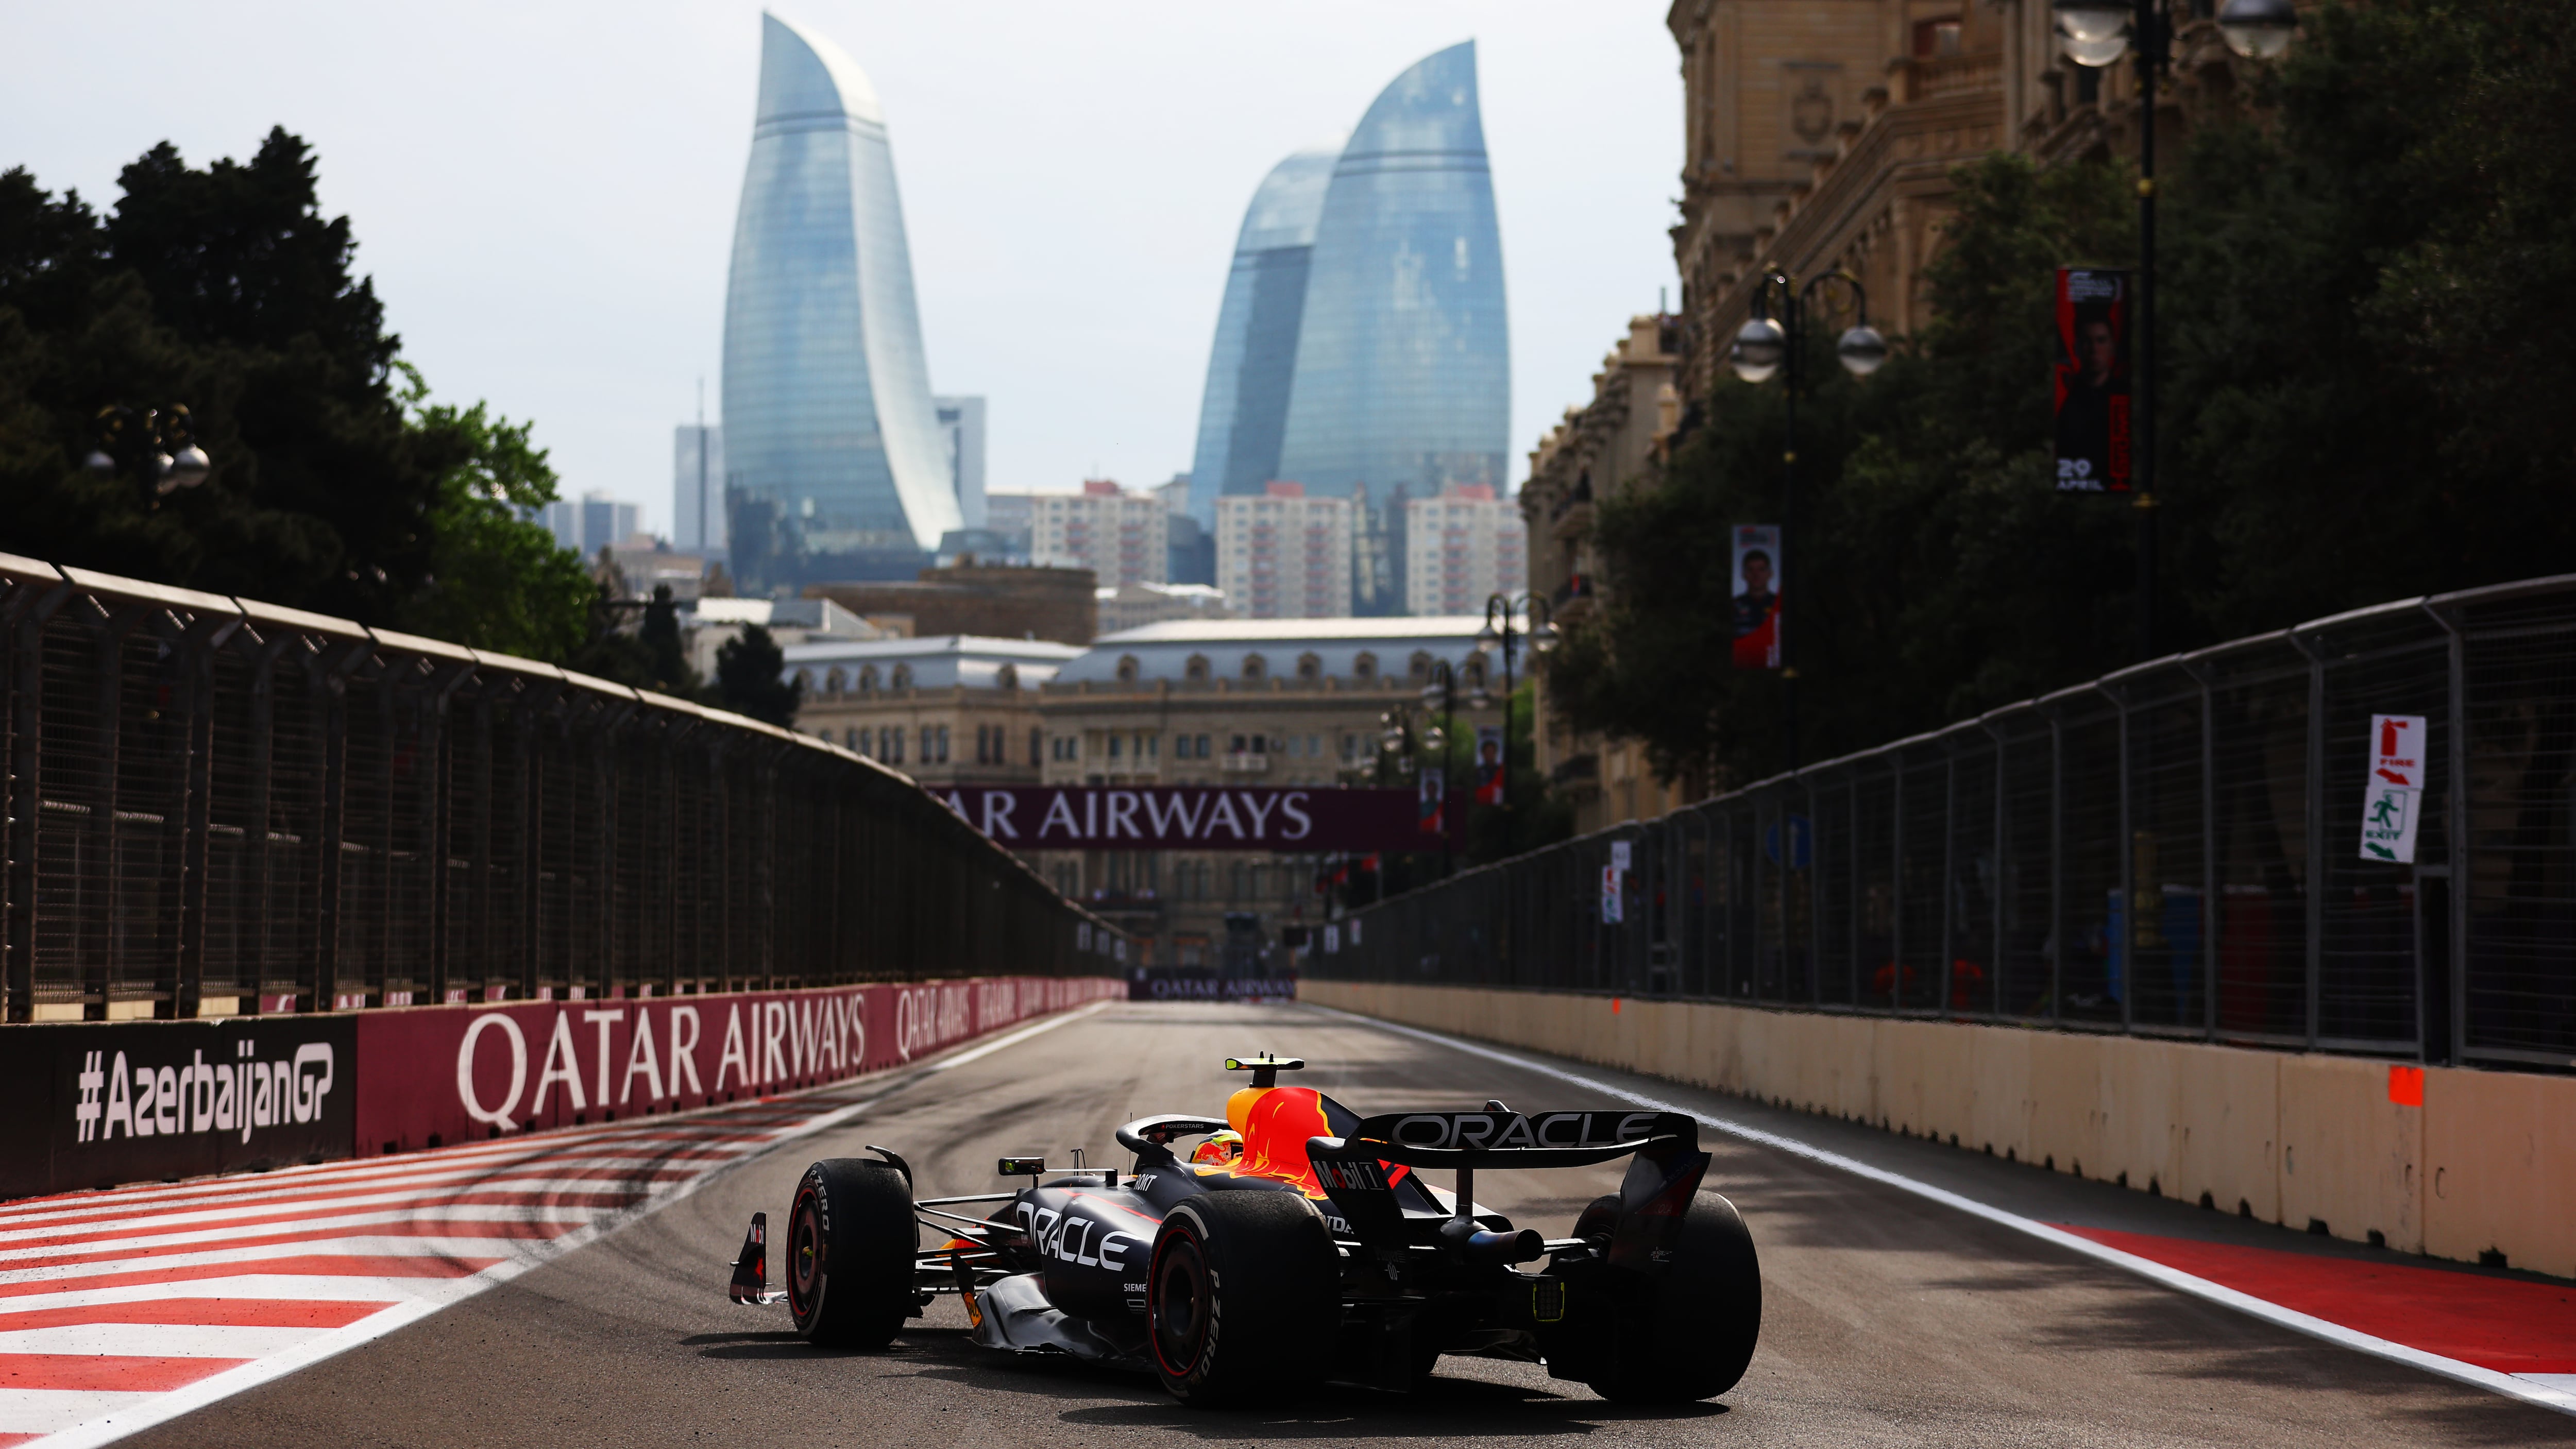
1362	348
833	456
1403	356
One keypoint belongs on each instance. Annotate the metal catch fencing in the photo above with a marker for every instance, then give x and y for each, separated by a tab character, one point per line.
216	805
2173	850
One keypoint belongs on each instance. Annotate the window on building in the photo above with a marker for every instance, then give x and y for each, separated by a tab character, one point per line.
894	744
867	744
835	683
804	681
1196	669
1364	669
1420	669
1150	746
1037	740
1309	667
1350	747
1203	747
1113	744
1254	666
943	744
1261	744
868	678
903	676
1128	669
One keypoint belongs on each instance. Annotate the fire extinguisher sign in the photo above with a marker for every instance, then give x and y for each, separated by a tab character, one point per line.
2391	799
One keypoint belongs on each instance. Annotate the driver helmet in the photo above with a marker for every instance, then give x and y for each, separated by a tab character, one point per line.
1220	1148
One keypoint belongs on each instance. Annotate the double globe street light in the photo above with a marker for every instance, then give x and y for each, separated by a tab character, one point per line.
1539	620
169	458
1763	348
2097	34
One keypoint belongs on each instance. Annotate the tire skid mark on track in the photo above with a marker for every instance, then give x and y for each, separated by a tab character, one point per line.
317	1260
2549	1391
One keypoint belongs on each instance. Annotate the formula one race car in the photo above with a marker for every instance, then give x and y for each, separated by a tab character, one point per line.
1297	1243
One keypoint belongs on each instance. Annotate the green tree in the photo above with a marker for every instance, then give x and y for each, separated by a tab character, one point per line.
751	678
226	289
497	580
667	661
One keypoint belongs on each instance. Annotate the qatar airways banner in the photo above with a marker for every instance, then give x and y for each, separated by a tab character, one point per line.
443	1074
1194	817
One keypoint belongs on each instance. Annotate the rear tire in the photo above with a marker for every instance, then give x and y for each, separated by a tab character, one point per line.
850	1243
1690	1335
1243	1299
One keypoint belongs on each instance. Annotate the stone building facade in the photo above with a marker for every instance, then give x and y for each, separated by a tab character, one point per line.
1821	134
1610	445
945	710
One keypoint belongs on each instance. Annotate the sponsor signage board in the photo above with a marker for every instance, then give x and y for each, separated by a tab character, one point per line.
92	1104
100	1103
1213	988
433	1077
1189	817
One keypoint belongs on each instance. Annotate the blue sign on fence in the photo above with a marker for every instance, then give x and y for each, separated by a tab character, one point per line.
1802	843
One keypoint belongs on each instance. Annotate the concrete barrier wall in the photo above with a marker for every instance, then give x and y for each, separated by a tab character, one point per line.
2455	1163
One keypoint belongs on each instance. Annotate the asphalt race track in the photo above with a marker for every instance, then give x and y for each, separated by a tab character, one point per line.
1886	1319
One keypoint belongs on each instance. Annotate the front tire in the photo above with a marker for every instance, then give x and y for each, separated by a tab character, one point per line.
1690	1335
850	1244
1243	1298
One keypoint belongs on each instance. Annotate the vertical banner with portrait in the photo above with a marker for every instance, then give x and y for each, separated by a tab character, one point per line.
1431	804
1757	596
2093	442
1489	764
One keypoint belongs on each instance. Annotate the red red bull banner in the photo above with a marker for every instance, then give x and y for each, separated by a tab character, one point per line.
436	1075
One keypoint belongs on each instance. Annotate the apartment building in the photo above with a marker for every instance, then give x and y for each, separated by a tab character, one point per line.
1123	538
1461	549
1283	555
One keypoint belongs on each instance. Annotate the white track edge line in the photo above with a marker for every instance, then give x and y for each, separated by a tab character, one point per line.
164	1407
2468	1373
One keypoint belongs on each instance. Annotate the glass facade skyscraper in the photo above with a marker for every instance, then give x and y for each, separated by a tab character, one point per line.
1245	407
835	466
1403	372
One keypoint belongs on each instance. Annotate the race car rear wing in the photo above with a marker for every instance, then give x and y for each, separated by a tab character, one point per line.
1509	1139
1353	1171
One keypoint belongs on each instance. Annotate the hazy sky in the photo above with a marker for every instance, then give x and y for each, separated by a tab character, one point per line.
545	193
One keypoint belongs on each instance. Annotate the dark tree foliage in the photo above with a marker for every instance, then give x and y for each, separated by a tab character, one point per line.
751	678
335	489
641	654
666	661
2363	299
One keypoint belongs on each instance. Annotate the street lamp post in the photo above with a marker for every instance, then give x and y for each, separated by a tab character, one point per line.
1539	618
1442	691
2097	33
166	457
1763	347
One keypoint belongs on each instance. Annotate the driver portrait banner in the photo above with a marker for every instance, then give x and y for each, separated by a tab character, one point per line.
2094	452
1189	817
1757	596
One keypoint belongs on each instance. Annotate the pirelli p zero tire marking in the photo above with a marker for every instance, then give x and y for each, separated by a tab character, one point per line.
1243	1298
850	1242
